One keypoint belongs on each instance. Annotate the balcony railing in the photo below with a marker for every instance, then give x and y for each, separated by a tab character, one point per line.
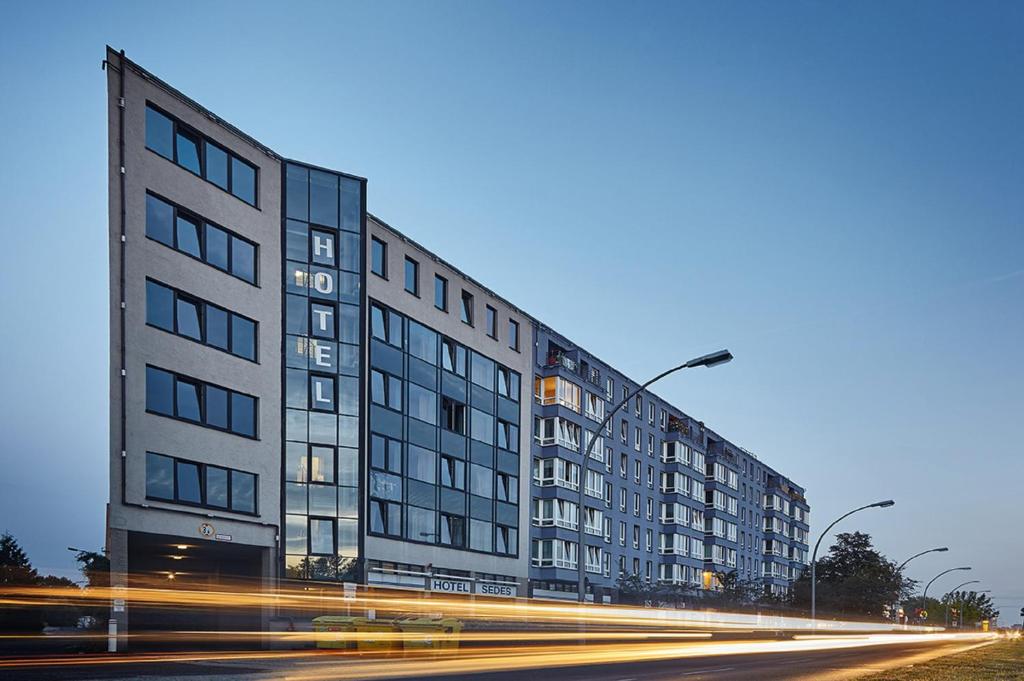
561	359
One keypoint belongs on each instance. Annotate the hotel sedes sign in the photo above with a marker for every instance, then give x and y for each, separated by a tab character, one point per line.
468	586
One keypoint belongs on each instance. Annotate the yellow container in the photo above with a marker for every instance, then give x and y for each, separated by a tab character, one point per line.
344	626
430	634
376	635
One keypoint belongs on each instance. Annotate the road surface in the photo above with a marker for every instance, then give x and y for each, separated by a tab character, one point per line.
823	665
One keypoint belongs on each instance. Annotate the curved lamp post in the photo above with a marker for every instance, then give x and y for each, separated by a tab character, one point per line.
918	555
711	360
924	597
814	556
952	591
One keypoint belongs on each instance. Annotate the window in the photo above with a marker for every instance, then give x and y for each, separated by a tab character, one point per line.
453	531
379	257
179	143
422	403
205	404
557	390
440	292
508	383
412	276
467	308
386	390
385	518
192	235
513	334
480	535
492	322
453	473
197	484
453	357
181	314
453	415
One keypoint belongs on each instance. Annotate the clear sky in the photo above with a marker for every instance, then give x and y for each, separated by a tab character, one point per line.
833	191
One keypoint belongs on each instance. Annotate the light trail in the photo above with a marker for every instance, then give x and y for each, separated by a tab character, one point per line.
397	664
526	658
482	608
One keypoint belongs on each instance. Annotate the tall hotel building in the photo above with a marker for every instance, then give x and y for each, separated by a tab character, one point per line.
299	391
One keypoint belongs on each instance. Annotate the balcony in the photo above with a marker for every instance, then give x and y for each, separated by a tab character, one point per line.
562	359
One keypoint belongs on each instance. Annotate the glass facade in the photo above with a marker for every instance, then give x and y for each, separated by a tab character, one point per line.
444	440
324	223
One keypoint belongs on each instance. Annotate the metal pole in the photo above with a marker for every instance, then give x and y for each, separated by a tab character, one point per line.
924	597
814	555
112	635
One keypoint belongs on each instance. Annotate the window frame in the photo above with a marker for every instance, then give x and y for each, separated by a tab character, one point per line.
415	290
202	399
202	467
203	317
179	127
192	216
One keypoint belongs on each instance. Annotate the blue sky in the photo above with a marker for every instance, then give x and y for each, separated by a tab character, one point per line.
833	191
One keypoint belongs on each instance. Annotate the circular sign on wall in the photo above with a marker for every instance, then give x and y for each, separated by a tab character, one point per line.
206	529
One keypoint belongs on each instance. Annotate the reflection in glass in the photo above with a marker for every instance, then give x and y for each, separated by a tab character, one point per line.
216	407
159	133
187	400
188	319
217	166
243	492
188	482
216	487
159	220
188	236
216	247
188	151
159	476
243	180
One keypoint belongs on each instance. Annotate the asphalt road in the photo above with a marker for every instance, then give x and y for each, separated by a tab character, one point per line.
825	665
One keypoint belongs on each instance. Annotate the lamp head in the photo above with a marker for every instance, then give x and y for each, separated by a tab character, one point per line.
714	359
885	504
943	548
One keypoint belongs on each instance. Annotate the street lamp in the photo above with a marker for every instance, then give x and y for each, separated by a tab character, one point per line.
924	597
952	591
918	555
710	360
814	556
985	591
899	570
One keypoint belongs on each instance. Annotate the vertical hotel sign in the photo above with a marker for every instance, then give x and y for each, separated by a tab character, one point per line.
323	227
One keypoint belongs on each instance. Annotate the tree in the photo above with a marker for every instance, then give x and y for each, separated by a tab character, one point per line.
853	579
17	570
635	590
95	568
975	606
15	567
734	591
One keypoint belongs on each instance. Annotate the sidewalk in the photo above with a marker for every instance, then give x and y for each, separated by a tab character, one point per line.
1002	661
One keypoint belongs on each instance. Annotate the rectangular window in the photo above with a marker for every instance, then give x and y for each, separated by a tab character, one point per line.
412	276
440	292
199	238
467	308
379	257
179	143
513	334
206	404
179	313
492	322
197	484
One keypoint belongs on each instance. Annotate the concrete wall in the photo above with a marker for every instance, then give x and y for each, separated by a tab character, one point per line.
144	257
